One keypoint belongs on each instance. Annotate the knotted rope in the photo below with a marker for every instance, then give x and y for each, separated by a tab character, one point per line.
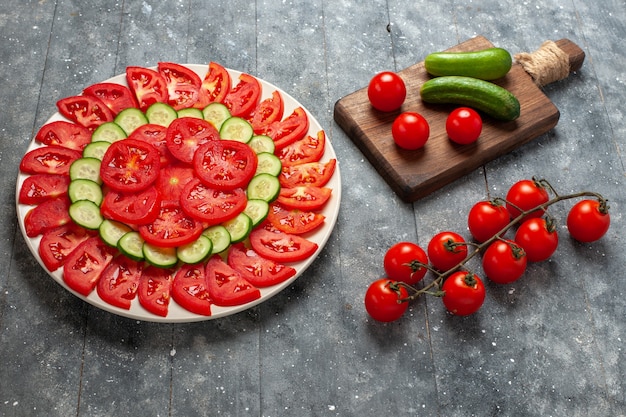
547	64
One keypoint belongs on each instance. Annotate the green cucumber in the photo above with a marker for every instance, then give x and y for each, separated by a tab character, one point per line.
481	95
160	257
87	214
191	112
257	210
130	119
237	129
84	189
486	64
263	187
216	113
161	114
108	132
238	228
262	143
111	231
131	245
219	236
196	251
86	168
268	163
96	149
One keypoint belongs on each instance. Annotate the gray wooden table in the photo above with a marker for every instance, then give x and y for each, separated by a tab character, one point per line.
552	344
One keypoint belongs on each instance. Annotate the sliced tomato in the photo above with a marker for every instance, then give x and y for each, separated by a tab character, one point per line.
268	111
226	286
132	208
87	111
190	289
154	289
242	99
171	228
294	221
51	159
288	130
210	205
46	216
154	135
56	244
83	266
186	134
172	180
225	164
183	85
215	86
130	165
65	134
305	150
119	281
257	270
147	85
280	246
115	96
304	197
315	174
41	187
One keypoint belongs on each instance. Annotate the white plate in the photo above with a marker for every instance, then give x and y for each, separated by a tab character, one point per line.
176	313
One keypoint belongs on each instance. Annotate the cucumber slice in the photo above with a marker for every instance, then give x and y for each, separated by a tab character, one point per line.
262	143
131	245
111	231
82	189
263	187
130	119
191	112
216	114
96	149
268	163
161	257
236	128
257	210
238	228
161	114
195	252
108	132
87	169
87	214
220	238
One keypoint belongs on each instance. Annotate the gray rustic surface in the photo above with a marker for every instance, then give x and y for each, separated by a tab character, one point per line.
552	344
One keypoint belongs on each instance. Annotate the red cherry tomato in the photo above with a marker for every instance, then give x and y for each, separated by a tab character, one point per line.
410	130
588	220
538	238
464	293
443	251
386	91
486	218
382	300
400	262
464	125
504	262
526	195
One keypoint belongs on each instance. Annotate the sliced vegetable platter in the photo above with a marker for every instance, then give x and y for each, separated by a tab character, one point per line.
218	266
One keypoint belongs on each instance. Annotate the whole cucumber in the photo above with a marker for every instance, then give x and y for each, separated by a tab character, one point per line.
486	64
481	95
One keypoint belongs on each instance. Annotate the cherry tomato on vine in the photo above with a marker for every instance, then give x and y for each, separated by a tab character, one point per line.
526	195
446	250
464	125
538	238
464	293
588	220
382	300
386	91
504	261
486	218
410	130
400	262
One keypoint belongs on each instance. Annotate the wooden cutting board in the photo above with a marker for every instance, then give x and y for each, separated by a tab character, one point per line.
414	174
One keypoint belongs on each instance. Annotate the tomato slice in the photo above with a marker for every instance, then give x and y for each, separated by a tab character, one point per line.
210	205
288	130
215	86
130	165
171	228
294	221
65	134
87	111
41	187
154	289
183	85
186	134
190	290
257	270
46	216
268	111
49	160
154	135
117	97
132	208
119	281
147	85
225	164
315	174
242	99
83	266
305	150
280	246
304	197
172	180
226	286
56	244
